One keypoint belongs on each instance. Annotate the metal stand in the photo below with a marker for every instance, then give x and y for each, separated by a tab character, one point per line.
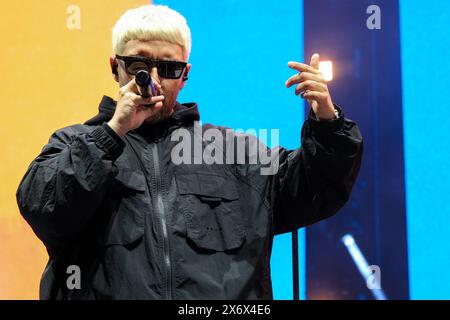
295	275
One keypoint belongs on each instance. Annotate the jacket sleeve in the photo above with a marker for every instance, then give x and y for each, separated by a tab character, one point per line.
315	181
66	183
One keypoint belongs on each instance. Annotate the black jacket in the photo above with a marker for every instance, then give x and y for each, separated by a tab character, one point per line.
140	226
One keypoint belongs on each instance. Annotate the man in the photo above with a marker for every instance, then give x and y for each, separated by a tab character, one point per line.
111	200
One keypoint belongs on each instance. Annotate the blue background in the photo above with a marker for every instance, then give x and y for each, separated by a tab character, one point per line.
425	43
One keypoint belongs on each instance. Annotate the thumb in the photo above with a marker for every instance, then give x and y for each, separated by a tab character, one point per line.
315	59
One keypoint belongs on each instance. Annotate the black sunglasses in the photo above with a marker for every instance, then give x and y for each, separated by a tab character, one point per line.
169	69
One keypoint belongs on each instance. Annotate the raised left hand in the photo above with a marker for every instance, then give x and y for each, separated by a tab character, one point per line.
313	87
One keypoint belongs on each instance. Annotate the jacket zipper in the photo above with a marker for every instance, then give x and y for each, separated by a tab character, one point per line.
160	210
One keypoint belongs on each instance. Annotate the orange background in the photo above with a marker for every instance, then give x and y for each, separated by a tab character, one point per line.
52	77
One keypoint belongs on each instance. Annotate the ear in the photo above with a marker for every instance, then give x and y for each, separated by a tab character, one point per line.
114	68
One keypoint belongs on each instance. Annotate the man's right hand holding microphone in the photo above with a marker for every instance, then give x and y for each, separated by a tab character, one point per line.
132	108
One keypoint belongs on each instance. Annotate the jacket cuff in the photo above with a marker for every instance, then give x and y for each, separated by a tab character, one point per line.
324	126
108	140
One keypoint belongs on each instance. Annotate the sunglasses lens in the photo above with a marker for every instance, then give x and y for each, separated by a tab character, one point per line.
166	69
171	70
136	66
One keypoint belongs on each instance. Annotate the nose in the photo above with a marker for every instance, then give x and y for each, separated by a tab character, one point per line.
154	74
155	78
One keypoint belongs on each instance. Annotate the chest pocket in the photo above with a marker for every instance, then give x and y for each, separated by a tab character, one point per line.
126	225
210	204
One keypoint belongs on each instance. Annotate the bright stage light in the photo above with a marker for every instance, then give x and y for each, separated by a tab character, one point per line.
326	67
362	265
348	240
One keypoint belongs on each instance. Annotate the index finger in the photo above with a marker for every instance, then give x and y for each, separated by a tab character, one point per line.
315	59
302	67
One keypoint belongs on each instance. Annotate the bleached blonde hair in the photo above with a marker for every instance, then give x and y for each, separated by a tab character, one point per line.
152	22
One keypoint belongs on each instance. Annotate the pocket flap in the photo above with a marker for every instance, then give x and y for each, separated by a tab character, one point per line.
126	228
207	185
127	224
223	234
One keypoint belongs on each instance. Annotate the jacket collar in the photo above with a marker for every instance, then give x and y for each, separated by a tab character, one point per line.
184	114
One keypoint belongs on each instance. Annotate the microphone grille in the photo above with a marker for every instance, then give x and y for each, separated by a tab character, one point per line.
143	78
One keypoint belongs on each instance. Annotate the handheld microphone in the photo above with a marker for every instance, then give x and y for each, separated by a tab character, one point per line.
144	82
